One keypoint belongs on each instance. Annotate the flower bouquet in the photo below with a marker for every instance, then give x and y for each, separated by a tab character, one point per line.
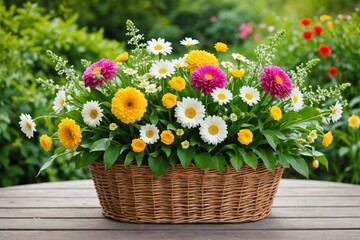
154	116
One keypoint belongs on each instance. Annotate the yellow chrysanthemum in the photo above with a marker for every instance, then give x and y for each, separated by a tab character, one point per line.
325	17
198	58
354	121
69	133
138	145
221	47
275	113
237	73
169	100
245	136
327	139
122	57
167	137
128	105
45	142
177	83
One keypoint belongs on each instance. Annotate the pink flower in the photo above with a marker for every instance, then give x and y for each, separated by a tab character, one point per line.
276	81
245	30
213	19
99	73
208	77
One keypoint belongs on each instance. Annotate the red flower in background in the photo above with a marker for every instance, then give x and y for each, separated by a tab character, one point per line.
307	34
305	21
318	29
333	71
324	50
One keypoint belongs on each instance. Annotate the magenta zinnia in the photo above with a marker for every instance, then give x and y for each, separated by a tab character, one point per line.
208	77
99	73
276	81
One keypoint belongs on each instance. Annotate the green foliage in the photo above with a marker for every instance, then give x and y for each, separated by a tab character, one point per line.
26	33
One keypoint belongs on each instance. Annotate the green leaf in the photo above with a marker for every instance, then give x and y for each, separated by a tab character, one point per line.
76	115
203	160
173	159
267	157
111	155
185	156
166	150
154	119
250	158
299	164
218	162
283	159
129	158
233	129
139	158
154	154
158	165
271	137
171	127
100	145
125	147
322	159
59	150
235	160
48	163
85	159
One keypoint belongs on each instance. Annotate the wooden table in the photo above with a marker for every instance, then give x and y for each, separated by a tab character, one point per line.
303	209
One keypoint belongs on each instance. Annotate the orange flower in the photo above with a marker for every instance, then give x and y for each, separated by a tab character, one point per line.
167	137
305	21
307	34
169	100
324	50
138	145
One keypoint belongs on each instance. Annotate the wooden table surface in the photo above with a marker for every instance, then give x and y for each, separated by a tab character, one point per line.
303	209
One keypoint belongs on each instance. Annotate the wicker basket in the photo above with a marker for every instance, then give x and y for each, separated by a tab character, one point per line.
187	195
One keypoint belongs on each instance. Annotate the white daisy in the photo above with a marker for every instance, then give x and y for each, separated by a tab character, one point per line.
149	133
250	95
159	46
189	42
189	112
59	101
213	130
237	56
130	71
297	99
221	95
144	84
185	144
92	113
233	117
151	88
179	63
113	126
27	125
180	132
336	112
227	64
162	69
312	136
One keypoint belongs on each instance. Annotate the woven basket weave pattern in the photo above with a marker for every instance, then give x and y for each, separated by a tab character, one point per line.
187	195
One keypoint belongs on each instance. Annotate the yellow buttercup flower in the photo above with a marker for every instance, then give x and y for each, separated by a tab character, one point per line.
237	73
275	113
122	57
330	25
177	83
245	136
221	47
327	139
198	58
167	137
315	163
138	145
354	121
128	105
325	17
69	133
169	100
45	142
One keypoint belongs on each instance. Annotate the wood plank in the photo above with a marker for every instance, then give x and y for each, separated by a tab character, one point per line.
107	224
46	193
317	201
307	183
287	192
181	235
75	184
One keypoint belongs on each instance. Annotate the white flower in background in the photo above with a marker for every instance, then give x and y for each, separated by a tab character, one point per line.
312	136
326	120
185	144
144	84
162	69
151	88
297	99
336	112
189	42
222	95
59	102
180	132
27	125
237	56
227	64
250	95
189	112
159	46
113	126
179	63
130	71
149	133
92	113
233	117
213	130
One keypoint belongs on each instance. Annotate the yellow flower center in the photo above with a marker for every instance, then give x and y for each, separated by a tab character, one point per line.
221	96
28	125
279	80
62	102
96	70
333	111
158	47
93	114
213	130
208	76
149	133
249	96
190	113
129	104
295	99
162	70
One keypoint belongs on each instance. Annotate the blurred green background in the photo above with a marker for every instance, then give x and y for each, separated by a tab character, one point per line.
96	28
